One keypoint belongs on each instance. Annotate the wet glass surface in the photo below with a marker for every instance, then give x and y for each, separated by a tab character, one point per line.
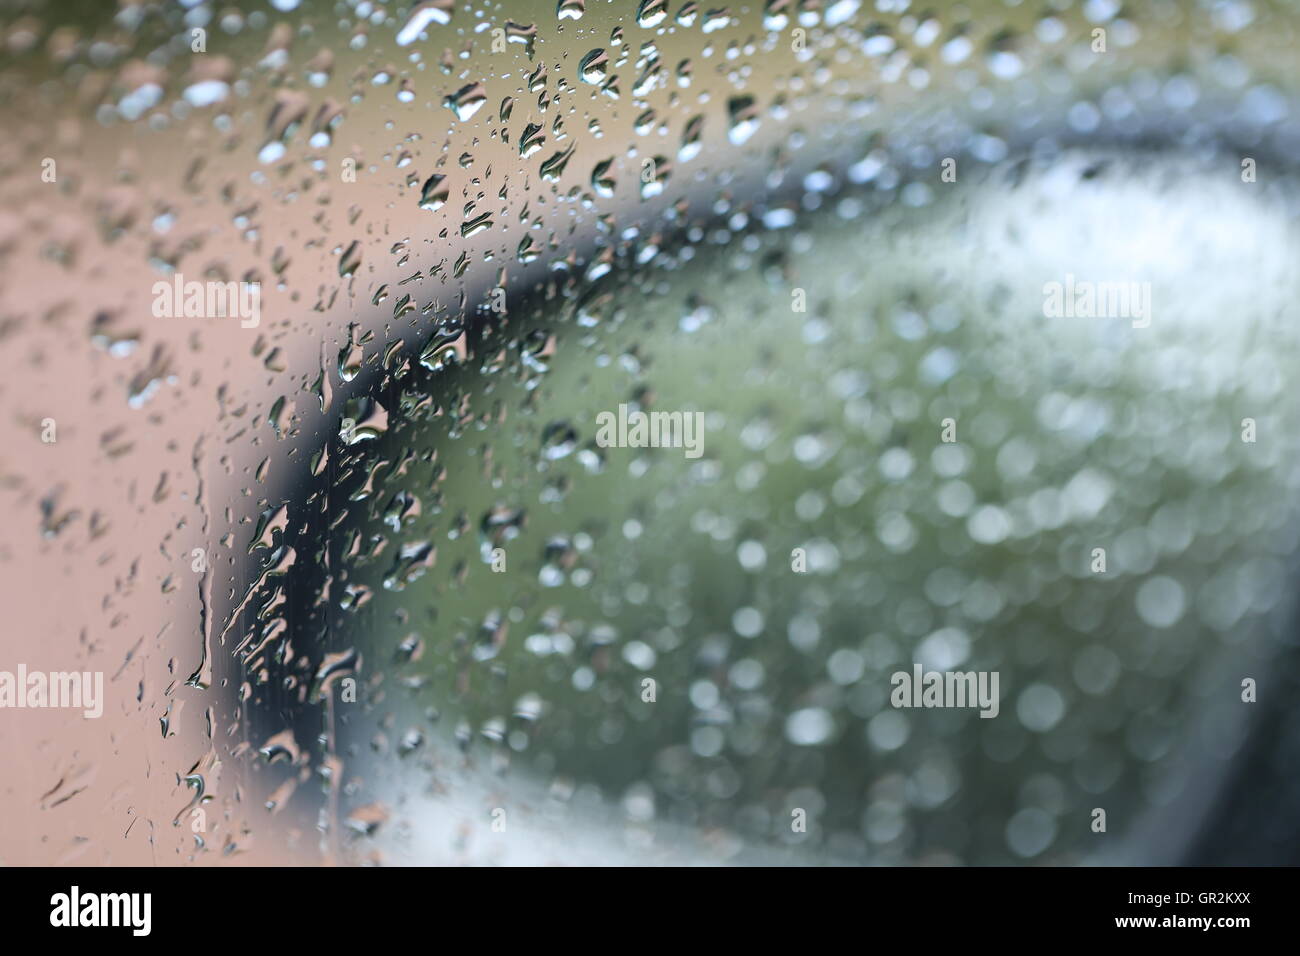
966	341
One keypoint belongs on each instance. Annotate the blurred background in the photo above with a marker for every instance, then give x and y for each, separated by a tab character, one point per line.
362	584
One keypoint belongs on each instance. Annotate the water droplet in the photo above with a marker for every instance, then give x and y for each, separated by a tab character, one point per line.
742	112
570	9
466	101
594	67
601	181
651	13
434	192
